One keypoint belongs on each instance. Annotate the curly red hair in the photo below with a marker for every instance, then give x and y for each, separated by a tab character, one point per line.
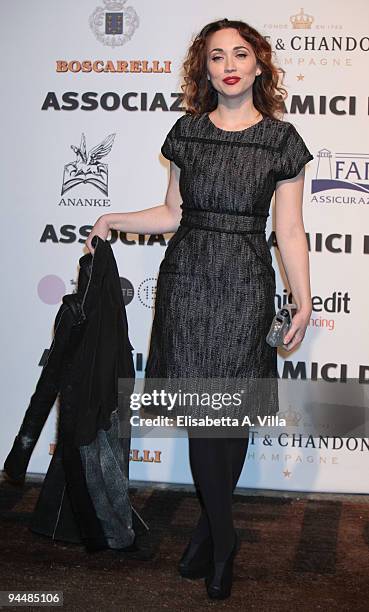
199	96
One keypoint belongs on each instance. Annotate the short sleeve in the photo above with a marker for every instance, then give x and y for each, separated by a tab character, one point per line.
171	146
294	155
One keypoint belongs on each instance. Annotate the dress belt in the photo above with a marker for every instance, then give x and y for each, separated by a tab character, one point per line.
219	221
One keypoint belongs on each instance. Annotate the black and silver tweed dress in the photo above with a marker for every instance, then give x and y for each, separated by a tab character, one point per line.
215	296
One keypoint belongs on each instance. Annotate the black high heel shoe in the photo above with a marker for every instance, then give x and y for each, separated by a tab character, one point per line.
219	582
197	560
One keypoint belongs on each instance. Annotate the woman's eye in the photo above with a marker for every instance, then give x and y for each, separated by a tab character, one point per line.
217	57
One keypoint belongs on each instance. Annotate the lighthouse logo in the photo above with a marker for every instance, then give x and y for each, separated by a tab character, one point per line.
344	172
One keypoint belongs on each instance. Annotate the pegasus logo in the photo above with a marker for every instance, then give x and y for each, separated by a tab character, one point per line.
87	167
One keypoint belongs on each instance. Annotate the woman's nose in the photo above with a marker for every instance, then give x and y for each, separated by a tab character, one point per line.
229	65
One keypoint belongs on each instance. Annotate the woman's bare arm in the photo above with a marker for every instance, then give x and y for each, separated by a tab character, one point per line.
155	220
292	244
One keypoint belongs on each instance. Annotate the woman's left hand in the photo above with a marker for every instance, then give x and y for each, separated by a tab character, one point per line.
297	331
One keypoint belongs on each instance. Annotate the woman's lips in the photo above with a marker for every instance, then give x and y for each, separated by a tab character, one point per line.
231	80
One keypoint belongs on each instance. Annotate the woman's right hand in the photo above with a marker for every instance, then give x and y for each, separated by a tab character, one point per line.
101	229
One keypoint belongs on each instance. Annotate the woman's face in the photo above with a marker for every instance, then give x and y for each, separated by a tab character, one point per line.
231	62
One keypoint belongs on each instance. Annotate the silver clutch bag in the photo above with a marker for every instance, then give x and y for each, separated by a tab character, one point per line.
280	325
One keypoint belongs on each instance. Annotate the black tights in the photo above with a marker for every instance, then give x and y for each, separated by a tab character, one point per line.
216	465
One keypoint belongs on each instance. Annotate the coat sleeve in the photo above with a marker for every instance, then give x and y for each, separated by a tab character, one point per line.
293	156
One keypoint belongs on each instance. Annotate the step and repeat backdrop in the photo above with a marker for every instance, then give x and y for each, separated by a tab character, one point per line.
105	75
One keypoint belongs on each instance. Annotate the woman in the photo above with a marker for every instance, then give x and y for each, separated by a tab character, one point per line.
216	286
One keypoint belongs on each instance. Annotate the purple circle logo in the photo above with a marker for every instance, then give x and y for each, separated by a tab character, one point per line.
51	289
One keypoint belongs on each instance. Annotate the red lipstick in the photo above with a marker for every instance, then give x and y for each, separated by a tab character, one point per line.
231	80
